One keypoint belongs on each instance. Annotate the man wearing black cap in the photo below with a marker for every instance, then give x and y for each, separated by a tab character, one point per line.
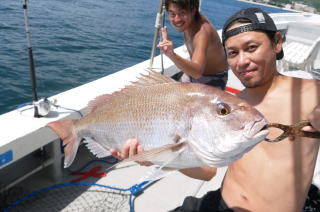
272	177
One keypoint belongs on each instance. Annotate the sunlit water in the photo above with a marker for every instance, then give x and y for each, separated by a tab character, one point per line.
78	41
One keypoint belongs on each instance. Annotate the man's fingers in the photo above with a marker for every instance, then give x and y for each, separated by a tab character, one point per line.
125	151
309	129
133	147
129	148
140	149
164	33
115	153
165	46
291	138
164	43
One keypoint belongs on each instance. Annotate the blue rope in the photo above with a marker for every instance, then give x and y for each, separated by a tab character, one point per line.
24	104
134	191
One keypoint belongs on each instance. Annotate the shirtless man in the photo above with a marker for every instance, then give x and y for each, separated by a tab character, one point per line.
272	177
208	62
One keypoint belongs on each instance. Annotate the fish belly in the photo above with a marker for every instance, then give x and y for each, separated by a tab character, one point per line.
150	134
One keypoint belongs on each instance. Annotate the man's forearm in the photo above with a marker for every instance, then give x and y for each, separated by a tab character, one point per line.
190	68
201	173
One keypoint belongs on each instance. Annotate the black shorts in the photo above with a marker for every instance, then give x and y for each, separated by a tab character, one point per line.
312	203
210	202
218	80
213	202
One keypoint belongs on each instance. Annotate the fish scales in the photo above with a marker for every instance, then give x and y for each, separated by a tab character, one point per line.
161	113
140	116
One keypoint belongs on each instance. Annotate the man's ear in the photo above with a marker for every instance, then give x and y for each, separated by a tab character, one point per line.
279	41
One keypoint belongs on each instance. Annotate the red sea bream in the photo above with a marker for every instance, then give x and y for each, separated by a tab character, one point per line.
180	125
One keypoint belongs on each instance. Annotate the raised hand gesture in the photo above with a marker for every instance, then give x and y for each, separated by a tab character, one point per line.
166	45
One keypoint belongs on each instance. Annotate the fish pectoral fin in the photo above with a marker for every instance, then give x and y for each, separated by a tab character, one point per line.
162	170
96	149
156	172
164	154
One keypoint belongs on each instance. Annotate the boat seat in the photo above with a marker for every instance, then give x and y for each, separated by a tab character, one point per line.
296	52
300	56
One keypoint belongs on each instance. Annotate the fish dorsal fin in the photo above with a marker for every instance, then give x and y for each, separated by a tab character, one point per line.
144	80
168	152
96	102
152	78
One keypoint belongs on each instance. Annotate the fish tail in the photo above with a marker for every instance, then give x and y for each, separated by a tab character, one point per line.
65	129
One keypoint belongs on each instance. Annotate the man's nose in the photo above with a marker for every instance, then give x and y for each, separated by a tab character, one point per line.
177	18
243	59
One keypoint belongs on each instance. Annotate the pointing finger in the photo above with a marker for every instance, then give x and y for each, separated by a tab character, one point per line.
164	33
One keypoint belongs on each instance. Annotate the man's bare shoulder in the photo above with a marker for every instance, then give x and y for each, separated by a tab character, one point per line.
207	31
300	85
302	80
311	83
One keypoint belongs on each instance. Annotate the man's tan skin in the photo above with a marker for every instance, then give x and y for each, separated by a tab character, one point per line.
272	176
202	41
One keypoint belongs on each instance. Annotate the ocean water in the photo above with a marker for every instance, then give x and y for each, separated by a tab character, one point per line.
78	41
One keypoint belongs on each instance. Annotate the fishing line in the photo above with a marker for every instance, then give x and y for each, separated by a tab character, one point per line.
44	107
70	109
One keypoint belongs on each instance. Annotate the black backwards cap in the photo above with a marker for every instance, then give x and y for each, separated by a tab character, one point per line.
259	21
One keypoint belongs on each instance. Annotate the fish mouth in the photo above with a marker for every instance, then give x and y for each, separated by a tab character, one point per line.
262	133
258	130
265	127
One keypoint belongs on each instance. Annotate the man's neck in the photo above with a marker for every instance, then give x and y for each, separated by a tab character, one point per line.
193	29
256	95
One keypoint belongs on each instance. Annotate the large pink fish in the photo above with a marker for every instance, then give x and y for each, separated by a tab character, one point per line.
179	125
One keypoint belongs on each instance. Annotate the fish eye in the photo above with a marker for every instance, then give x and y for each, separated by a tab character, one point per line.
223	108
